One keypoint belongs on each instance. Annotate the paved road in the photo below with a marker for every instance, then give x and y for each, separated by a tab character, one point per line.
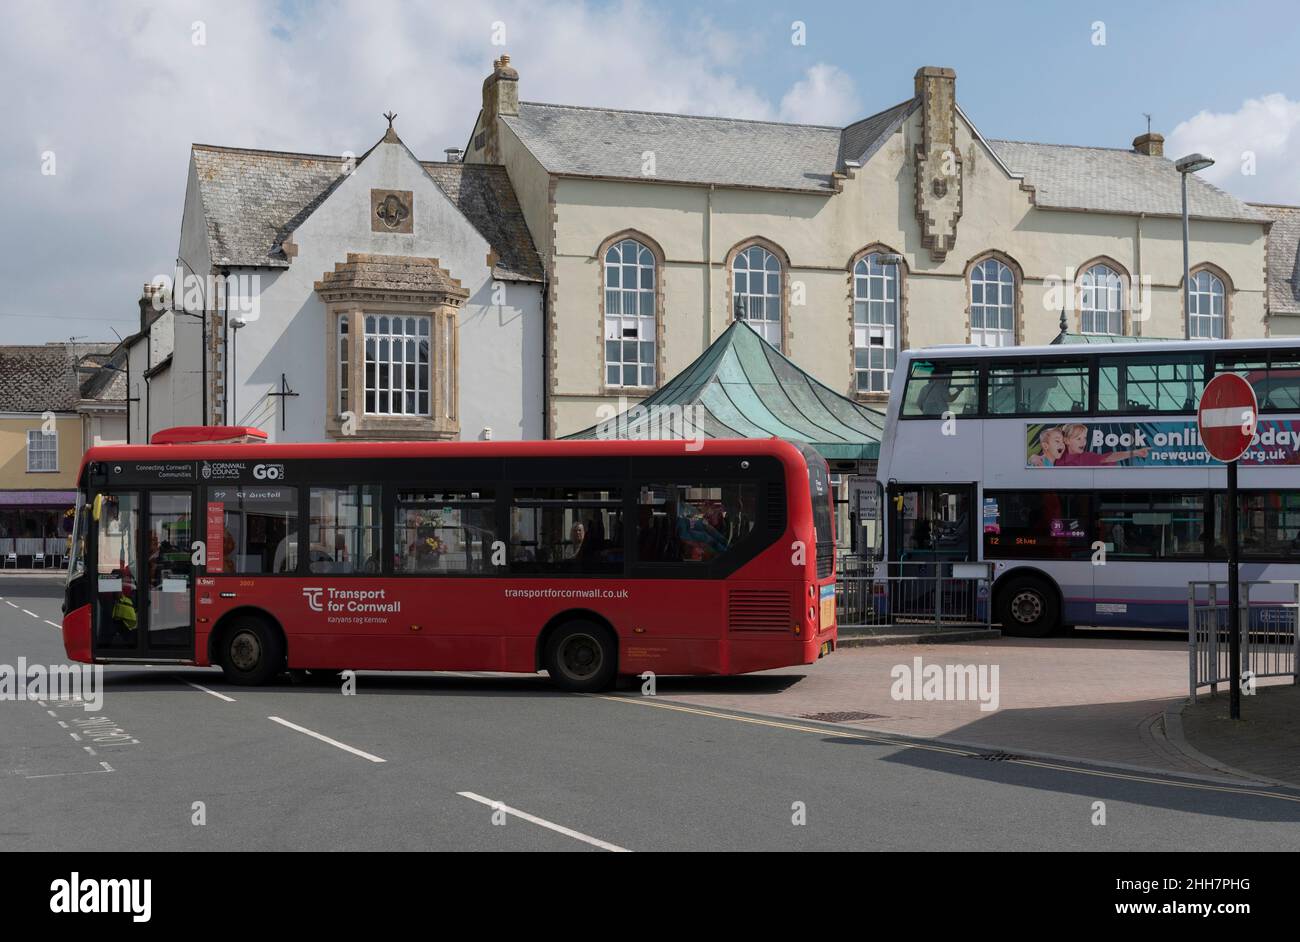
575	772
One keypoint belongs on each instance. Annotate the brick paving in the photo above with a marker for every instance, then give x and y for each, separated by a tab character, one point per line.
1089	698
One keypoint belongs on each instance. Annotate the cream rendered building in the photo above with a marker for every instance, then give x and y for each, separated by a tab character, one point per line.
841	245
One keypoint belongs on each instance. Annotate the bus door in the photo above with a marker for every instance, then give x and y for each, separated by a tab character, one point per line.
139	546
931	526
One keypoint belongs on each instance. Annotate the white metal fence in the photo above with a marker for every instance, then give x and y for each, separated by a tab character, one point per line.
870	594
1269	626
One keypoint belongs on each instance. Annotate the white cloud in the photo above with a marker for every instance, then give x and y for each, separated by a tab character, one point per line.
1267	128
120	91
825	95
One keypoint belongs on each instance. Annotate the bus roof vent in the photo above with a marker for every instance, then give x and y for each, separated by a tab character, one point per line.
208	435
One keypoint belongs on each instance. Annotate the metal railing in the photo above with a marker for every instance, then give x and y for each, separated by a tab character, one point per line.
938	594
1269	625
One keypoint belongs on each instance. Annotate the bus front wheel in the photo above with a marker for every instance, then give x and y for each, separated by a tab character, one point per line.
251	652
581	656
1027	608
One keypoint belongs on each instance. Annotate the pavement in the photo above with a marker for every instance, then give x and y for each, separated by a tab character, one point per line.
1098	699
1263	744
176	759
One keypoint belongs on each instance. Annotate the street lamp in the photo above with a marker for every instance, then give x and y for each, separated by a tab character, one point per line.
235	324
1192	163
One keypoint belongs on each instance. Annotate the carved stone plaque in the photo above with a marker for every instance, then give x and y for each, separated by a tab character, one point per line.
391	210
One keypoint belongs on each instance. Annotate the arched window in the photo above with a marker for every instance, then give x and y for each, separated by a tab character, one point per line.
756	291
1101	301
992	304
629	315
1205	311
875	322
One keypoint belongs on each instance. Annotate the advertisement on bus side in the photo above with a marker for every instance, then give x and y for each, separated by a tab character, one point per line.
1170	444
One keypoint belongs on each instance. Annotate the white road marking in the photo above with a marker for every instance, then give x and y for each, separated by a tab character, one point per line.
333	742
53	624
219	696
10	604
542	822
106	768
91	751
61	723
75	736
30	612
51	712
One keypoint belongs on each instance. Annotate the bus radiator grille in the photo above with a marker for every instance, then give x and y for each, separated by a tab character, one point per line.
758	610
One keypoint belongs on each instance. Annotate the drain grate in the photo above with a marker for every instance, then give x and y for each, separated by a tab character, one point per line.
998	757
842	717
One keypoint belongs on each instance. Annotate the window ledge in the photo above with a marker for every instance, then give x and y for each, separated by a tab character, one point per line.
395	428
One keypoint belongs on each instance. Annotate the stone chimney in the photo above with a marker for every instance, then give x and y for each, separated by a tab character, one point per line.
150	310
500	97
1150	143
938	161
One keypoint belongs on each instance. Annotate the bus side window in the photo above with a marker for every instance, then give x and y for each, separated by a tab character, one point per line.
933	390
449	531
563	529
692	522
343	535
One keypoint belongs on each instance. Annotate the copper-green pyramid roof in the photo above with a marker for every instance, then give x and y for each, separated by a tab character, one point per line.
746	388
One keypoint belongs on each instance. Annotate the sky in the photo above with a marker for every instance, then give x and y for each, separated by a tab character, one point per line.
102	99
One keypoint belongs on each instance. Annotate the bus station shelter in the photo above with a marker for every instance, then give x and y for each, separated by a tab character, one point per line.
743	387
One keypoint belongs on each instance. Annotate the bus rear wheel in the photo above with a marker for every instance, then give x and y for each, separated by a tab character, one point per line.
581	657
250	652
1027	608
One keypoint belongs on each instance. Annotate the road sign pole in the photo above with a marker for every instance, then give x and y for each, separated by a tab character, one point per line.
1226	420
1234	596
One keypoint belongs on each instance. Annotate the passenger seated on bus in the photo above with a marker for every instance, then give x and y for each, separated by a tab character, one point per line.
699	541
577	536
593	540
937	395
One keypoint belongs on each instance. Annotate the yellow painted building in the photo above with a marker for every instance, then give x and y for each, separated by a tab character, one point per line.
56	400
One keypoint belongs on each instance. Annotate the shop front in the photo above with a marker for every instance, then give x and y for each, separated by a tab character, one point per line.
34	528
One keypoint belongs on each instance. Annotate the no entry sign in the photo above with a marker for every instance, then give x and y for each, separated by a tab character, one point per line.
1227	416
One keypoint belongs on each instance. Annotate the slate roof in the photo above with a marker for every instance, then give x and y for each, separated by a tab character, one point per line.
749	389
484	194
604	142
1108	179
42	377
862	138
253	200
1283	258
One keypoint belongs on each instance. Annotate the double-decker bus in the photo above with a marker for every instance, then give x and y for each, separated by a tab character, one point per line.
1078	472
587	559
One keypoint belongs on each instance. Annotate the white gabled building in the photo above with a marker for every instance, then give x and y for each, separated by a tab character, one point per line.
405	292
